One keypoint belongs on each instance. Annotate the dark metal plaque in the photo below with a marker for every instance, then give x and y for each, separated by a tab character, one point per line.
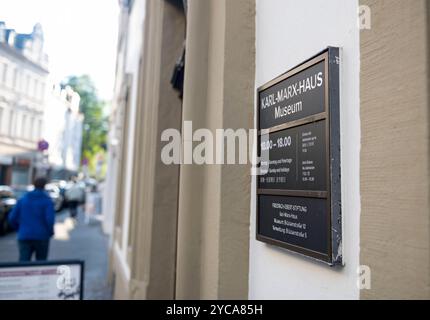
299	222
296	97
297	159
299	198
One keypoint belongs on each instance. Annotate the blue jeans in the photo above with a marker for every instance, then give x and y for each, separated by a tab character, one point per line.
73	208
28	247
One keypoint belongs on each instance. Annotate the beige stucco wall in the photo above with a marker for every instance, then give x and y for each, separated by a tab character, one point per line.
192	177
213	226
119	279
144	246
157	184
394	237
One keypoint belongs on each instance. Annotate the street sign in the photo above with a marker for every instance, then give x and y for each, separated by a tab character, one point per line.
42	145
298	199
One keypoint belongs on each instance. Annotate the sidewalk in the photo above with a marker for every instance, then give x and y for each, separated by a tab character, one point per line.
80	241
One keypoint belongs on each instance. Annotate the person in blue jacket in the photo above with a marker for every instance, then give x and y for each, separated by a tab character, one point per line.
34	217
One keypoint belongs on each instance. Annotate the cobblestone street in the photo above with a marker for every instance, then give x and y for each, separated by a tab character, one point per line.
74	241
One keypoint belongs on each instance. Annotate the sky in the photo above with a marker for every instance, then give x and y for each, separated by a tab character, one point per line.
80	36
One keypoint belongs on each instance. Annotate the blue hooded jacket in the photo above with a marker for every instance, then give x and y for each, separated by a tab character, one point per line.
33	216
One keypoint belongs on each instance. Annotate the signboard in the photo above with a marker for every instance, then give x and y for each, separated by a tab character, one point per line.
298	198
48	280
42	145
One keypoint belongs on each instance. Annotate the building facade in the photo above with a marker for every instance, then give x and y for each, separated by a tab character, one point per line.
65	138
188	230
117	122
24	73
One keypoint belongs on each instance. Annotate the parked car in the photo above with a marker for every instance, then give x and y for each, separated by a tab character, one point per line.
20	191
62	186
7	202
54	192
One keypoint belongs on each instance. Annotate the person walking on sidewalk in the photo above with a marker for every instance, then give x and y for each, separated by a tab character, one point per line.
34	217
74	196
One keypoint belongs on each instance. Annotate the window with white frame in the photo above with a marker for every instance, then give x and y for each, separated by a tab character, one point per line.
15	78
12	120
42	91
21	84
35	88
27	85
1	119
39	129
31	129
5	72
24	126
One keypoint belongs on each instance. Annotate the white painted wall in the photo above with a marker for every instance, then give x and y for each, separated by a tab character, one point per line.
287	33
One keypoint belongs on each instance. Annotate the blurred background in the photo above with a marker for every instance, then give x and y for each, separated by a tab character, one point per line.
57	69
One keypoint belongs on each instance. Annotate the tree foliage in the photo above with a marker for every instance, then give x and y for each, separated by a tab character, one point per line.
95	127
